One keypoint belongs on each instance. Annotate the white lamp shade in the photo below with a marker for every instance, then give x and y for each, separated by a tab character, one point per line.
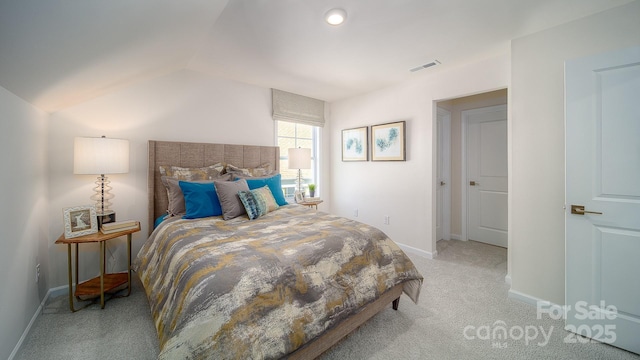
100	156
299	158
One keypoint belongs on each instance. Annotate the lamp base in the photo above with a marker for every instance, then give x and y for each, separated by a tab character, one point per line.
106	217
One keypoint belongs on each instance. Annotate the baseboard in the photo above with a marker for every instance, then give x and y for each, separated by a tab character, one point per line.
507	279
417	251
522	297
57	291
28	328
53	292
454	237
534	301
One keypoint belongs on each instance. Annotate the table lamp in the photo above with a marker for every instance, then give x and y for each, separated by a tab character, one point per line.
299	158
101	156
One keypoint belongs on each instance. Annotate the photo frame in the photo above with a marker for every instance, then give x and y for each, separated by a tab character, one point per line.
299	196
79	221
388	142
355	144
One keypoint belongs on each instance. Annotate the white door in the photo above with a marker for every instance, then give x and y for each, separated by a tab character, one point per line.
443	193
603	175
486	174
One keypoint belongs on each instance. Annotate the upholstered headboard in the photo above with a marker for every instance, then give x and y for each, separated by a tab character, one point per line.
187	154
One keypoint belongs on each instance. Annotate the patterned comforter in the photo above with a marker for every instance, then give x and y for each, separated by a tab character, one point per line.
263	288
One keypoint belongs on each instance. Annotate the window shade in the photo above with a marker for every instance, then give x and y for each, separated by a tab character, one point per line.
297	108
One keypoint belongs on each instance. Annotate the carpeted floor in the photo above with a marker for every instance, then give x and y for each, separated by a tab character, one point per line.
463	300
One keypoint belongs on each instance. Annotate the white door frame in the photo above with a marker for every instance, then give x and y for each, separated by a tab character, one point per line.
464	181
445	139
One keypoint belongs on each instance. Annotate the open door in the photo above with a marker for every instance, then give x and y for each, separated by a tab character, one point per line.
443	185
603	197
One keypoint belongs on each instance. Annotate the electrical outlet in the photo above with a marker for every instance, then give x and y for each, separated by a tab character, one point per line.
386	219
37	273
355	213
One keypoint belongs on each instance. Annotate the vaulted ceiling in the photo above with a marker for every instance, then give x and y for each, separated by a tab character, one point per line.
58	53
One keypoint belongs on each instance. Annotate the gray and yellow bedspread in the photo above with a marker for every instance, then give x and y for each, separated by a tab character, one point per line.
263	288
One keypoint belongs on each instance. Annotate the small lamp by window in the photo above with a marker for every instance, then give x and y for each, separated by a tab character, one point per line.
101	156
299	158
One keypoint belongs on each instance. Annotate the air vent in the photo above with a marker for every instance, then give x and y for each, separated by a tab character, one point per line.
433	63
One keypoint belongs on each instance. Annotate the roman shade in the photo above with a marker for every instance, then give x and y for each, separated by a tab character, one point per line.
297	108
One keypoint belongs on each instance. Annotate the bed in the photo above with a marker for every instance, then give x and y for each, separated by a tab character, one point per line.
289	283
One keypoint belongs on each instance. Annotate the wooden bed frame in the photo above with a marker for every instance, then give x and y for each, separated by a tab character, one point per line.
187	154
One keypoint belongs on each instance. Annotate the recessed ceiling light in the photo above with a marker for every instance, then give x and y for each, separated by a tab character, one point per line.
335	16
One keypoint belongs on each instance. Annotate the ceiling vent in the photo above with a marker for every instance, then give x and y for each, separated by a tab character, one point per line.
427	65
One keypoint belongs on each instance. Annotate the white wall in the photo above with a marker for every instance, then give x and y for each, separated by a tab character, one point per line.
537	109
403	190
24	216
182	106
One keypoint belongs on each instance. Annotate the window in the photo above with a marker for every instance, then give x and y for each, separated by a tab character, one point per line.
294	135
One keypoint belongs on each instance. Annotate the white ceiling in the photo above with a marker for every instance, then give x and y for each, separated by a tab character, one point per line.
57	53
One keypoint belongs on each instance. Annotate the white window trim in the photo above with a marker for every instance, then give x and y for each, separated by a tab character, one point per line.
316	141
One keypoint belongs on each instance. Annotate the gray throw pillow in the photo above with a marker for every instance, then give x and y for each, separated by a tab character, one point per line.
229	200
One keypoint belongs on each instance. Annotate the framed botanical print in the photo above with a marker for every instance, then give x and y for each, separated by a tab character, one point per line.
79	221
355	143
388	142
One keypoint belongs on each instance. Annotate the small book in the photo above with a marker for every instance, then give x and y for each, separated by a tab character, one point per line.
120	225
111	231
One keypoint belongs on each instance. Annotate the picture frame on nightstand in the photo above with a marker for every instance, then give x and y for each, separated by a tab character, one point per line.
79	221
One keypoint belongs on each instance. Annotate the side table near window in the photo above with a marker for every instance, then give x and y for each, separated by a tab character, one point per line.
312	203
105	282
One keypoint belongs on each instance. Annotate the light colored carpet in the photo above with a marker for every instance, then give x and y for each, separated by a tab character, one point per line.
122	330
464	288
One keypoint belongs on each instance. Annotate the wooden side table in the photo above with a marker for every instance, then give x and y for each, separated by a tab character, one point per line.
311	203
105	282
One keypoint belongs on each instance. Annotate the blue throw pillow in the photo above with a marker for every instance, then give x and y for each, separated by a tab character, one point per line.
200	200
159	220
274	185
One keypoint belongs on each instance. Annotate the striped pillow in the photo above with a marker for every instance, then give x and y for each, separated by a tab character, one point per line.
258	202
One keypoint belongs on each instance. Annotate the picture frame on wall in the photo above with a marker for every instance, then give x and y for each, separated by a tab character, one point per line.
388	142
79	221
355	144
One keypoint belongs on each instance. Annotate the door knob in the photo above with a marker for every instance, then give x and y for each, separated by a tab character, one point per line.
442	183
579	210
473	183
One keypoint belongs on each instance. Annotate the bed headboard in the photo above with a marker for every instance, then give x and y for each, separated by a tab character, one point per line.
187	154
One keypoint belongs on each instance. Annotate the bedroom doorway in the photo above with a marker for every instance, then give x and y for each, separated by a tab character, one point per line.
458	183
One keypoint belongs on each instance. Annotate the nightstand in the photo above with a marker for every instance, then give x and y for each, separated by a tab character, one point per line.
311	203
105	282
